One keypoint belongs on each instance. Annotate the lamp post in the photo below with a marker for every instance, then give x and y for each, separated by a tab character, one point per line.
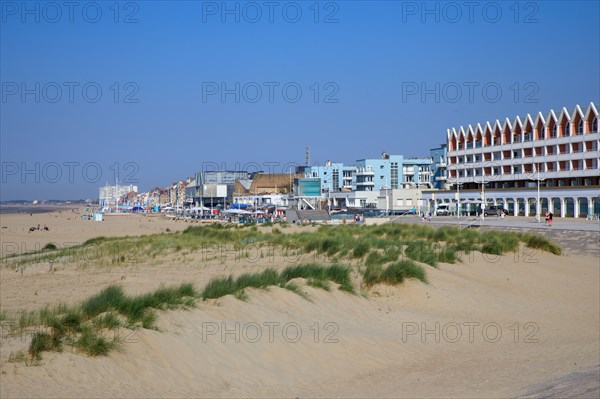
457	196
482	197
538	204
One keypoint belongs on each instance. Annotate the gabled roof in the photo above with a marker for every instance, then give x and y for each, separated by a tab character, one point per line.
564	114
577	111
591	109
539	118
551	116
488	127
528	122
452	133
470	131
507	125
518	123
272	183
497	126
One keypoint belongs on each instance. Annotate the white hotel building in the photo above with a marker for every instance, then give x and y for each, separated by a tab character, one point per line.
559	151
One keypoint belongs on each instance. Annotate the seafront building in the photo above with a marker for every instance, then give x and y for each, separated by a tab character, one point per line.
360	185
109	195
504	163
439	175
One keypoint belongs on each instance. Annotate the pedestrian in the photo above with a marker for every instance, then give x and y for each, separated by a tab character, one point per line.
429	216
547	217
550	219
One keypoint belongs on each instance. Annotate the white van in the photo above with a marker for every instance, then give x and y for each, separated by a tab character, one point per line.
443	209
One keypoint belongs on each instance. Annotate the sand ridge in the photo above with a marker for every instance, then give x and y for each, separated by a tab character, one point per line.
532	319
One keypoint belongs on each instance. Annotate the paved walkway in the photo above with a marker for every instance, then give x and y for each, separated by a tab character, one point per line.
576	236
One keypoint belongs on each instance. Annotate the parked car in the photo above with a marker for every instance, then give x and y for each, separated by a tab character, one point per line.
494	210
444	209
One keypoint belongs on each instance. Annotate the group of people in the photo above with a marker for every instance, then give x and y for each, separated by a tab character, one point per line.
549	219
426	216
360	219
45	228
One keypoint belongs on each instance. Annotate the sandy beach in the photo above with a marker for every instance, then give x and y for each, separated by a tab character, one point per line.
489	326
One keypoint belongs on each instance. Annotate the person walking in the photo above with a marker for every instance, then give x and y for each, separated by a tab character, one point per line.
550	219
547	217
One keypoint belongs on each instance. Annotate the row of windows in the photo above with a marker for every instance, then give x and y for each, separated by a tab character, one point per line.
553	130
556	149
556	166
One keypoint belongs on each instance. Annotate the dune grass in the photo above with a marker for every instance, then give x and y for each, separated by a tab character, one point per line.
388	254
394	274
83	326
318	276
419	242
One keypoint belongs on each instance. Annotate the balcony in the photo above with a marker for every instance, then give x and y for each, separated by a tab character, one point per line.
365	172
365	183
440	165
441	178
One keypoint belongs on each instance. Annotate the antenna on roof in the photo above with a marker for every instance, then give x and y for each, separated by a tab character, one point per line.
307	156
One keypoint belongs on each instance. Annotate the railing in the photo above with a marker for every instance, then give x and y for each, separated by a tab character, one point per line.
468	223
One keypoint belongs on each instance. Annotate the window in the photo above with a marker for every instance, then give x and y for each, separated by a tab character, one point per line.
554	131
394	174
580	127
528	136
541	132
516	169
516	154
477	158
469	145
565	130
595	125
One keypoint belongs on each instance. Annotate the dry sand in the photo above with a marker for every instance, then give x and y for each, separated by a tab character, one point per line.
496	327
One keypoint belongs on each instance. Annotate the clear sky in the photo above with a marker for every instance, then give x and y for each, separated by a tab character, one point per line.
159	90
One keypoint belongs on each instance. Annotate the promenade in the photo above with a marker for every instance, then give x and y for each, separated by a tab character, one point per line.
576	236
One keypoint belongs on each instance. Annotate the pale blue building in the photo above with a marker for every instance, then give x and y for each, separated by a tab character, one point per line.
372	174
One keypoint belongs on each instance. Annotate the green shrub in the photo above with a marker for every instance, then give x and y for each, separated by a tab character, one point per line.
93	344
360	249
540	242
49	247
110	298
421	251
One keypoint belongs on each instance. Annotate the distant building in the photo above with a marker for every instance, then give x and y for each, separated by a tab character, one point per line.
439	178
392	171
335	176
213	188
504	163
109	194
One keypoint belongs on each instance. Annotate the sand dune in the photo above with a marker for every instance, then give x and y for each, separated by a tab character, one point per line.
495	327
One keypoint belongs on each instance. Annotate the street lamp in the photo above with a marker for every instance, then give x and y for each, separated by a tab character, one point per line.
457	196
538	204
482	196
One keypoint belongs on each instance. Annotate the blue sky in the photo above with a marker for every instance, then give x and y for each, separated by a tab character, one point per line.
161	68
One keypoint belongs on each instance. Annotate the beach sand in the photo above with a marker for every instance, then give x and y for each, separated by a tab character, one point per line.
487	327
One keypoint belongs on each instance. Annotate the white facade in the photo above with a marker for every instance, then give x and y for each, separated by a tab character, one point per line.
564	150
108	194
